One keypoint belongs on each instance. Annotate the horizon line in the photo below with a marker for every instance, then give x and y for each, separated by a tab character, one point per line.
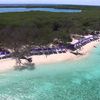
46	4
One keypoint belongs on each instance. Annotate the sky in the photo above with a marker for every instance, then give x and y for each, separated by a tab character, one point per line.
82	2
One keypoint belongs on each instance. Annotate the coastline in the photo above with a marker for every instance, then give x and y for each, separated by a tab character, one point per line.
65	56
9	63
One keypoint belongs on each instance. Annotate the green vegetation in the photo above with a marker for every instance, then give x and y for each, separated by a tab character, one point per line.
41	28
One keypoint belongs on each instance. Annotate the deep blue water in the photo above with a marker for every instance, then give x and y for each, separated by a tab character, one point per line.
3	10
68	80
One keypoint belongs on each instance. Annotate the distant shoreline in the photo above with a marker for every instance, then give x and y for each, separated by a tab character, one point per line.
37	9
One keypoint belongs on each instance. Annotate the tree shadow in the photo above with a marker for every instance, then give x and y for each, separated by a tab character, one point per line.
28	66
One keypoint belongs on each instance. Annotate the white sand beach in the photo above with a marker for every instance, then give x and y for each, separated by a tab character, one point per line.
64	56
9	63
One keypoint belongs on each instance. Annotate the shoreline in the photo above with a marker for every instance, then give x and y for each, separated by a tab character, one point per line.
9	63
64	56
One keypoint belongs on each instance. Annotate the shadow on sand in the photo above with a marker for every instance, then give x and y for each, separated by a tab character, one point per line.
28	66
76	53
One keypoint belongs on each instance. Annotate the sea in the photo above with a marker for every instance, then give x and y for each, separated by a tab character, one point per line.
67	80
5	10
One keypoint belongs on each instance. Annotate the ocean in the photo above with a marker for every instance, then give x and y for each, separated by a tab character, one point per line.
5	10
68	80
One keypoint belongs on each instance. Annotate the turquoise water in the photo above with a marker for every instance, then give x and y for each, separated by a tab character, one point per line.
3	10
77	80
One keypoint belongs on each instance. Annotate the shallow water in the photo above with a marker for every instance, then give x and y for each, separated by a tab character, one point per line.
77	80
4	10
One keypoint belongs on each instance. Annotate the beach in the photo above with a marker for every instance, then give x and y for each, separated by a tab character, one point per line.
9	63
85	51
